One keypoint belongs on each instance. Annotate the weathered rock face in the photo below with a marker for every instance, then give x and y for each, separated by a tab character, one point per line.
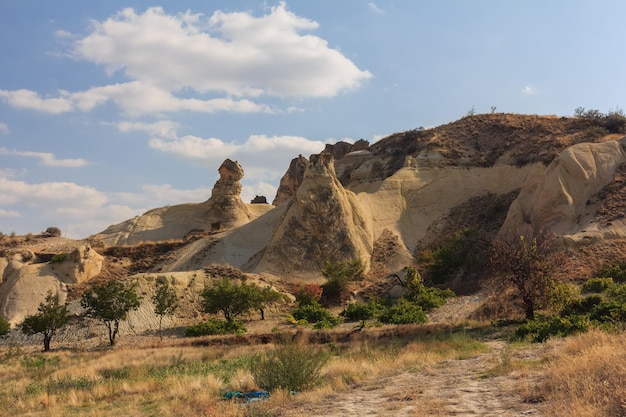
323	222
223	210
226	208
560	199
79	266
292	179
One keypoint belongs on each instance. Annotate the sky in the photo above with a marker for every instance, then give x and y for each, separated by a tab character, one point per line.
111	108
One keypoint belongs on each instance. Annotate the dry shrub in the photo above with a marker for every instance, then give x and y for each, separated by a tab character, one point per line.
587	377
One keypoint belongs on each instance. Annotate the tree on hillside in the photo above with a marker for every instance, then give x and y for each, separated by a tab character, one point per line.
110	303
231	299
165	303
5	326
529	262
51	317
338	275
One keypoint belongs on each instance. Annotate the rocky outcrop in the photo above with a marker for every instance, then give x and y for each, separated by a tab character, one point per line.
561	198
225	208
292	179
322	222
79	266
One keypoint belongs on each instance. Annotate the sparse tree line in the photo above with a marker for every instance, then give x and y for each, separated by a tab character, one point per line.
528	262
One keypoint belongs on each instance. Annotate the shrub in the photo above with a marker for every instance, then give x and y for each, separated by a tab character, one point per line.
308	294
609	313
52	232
561	295
582	305
289	367
4	326
542	328
617	272
315	313
215	327
58	258
618	293
403	312
597	285
338	275
428	298
461	251
358	312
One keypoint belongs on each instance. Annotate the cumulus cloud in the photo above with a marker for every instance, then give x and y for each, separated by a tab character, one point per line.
162	128
26	99
188	62
50	194
235	53
262	157
46	158
4	128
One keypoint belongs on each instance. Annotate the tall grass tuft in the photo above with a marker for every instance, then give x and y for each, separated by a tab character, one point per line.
290	366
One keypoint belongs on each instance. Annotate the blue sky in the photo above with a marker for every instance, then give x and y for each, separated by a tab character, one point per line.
108	109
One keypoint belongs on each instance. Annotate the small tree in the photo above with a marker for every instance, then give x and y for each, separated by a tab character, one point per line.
51	317
165	303
110	303
5	326
264	298
230	299
529	262
338	275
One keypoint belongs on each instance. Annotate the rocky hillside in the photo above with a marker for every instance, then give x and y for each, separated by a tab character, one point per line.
387	204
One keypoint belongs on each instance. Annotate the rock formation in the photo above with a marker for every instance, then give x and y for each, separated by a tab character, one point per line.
292	179
223	210
322	222
561	198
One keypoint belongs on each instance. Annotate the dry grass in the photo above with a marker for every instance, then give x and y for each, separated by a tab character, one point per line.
190	380
587	377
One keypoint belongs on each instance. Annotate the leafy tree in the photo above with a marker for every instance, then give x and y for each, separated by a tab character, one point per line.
51	317
230	299
5	326
165	303
110	303
338	275
265	297
529	262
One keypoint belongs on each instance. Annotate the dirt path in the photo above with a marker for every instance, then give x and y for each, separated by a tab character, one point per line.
463	388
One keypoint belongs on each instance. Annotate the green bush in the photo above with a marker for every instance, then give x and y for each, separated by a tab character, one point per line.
428	298
597	285
288	367
617	272
609	313
403	312
561	295
461	251
618	293
582	306
542	328
315	313
338	275
4	326
58	258
358	312
214	327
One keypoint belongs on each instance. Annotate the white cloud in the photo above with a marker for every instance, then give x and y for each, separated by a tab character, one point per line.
50	194
261	156
529	90
46	158
4	128
373	7
162	128
232	53
26	99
